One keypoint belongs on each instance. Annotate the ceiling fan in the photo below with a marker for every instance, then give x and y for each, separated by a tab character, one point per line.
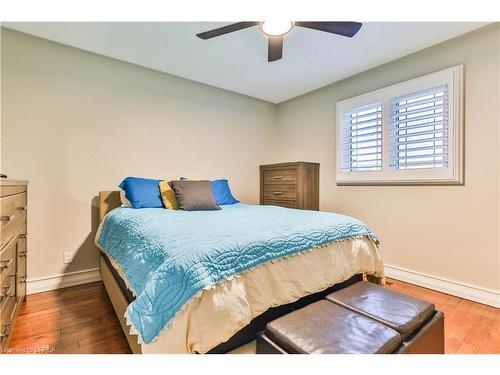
275	32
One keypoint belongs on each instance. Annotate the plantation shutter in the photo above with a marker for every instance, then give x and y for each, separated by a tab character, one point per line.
361	139
419	129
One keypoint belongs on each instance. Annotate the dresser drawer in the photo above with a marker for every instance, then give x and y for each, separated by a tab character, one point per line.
8	287
280	176
280	192
6	317
8	259
281	203
13	215
11	189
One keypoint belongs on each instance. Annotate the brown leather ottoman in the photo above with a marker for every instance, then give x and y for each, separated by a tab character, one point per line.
324	327
419	324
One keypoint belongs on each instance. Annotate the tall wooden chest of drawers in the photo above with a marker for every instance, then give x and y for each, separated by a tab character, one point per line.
292	185
13	250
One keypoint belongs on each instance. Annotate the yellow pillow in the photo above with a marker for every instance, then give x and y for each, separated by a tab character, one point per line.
168	196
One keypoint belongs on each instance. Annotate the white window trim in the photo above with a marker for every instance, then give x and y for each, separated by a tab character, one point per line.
451	175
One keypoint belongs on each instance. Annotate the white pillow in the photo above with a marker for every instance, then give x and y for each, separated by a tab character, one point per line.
124	200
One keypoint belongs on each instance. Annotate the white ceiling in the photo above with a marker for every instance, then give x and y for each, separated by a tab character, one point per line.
238	61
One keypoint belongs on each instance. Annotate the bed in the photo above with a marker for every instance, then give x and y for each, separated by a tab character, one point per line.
207	282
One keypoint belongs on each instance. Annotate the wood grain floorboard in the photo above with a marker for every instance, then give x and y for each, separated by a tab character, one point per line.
470	327
81	319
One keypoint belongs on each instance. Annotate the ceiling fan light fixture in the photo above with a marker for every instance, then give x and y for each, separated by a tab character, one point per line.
276	28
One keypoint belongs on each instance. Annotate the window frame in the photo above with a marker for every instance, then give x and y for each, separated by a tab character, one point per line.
451	175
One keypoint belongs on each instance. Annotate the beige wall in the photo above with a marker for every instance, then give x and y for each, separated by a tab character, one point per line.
450	232
74	123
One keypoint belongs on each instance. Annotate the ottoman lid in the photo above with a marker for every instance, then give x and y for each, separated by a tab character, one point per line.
324	327
396	310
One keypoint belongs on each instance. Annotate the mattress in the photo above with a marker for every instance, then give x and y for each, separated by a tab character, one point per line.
222	308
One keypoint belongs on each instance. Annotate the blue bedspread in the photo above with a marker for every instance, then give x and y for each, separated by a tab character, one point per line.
170	256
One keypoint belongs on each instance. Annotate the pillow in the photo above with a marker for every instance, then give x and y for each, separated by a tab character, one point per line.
167	196
194	195
142	192
222	193
124	200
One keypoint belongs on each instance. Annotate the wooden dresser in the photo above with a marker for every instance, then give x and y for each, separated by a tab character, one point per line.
13	249
292	185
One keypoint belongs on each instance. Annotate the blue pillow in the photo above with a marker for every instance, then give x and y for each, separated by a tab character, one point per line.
142	192
222	193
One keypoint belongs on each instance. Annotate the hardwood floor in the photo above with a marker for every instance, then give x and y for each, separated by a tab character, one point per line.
81	319
470	327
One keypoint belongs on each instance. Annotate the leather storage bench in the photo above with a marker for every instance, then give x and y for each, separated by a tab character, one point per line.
362	318
421	327
324	327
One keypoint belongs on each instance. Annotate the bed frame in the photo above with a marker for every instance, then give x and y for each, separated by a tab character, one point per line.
109	200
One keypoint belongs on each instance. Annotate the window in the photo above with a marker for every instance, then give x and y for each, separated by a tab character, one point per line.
419	129
361	147
408	133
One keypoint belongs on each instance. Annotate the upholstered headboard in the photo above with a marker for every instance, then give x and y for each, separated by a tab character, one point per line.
108	200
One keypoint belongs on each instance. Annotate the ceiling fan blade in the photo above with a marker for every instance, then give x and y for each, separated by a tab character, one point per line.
226	29
348	29
275	48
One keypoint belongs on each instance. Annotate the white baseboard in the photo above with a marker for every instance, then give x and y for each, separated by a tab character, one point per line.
474	293
44	284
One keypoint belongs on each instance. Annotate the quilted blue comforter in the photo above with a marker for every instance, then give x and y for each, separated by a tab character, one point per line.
168	257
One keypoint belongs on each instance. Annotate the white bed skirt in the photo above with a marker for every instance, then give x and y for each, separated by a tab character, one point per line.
218	313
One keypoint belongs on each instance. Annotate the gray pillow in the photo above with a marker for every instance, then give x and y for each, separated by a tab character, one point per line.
194	195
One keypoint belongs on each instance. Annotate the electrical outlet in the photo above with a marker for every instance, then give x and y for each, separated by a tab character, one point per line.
68	257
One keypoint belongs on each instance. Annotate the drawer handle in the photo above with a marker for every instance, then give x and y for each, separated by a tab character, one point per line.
7	289
6	331
277	177
278	193
23	254
6	264
8	217
23	236
23	208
